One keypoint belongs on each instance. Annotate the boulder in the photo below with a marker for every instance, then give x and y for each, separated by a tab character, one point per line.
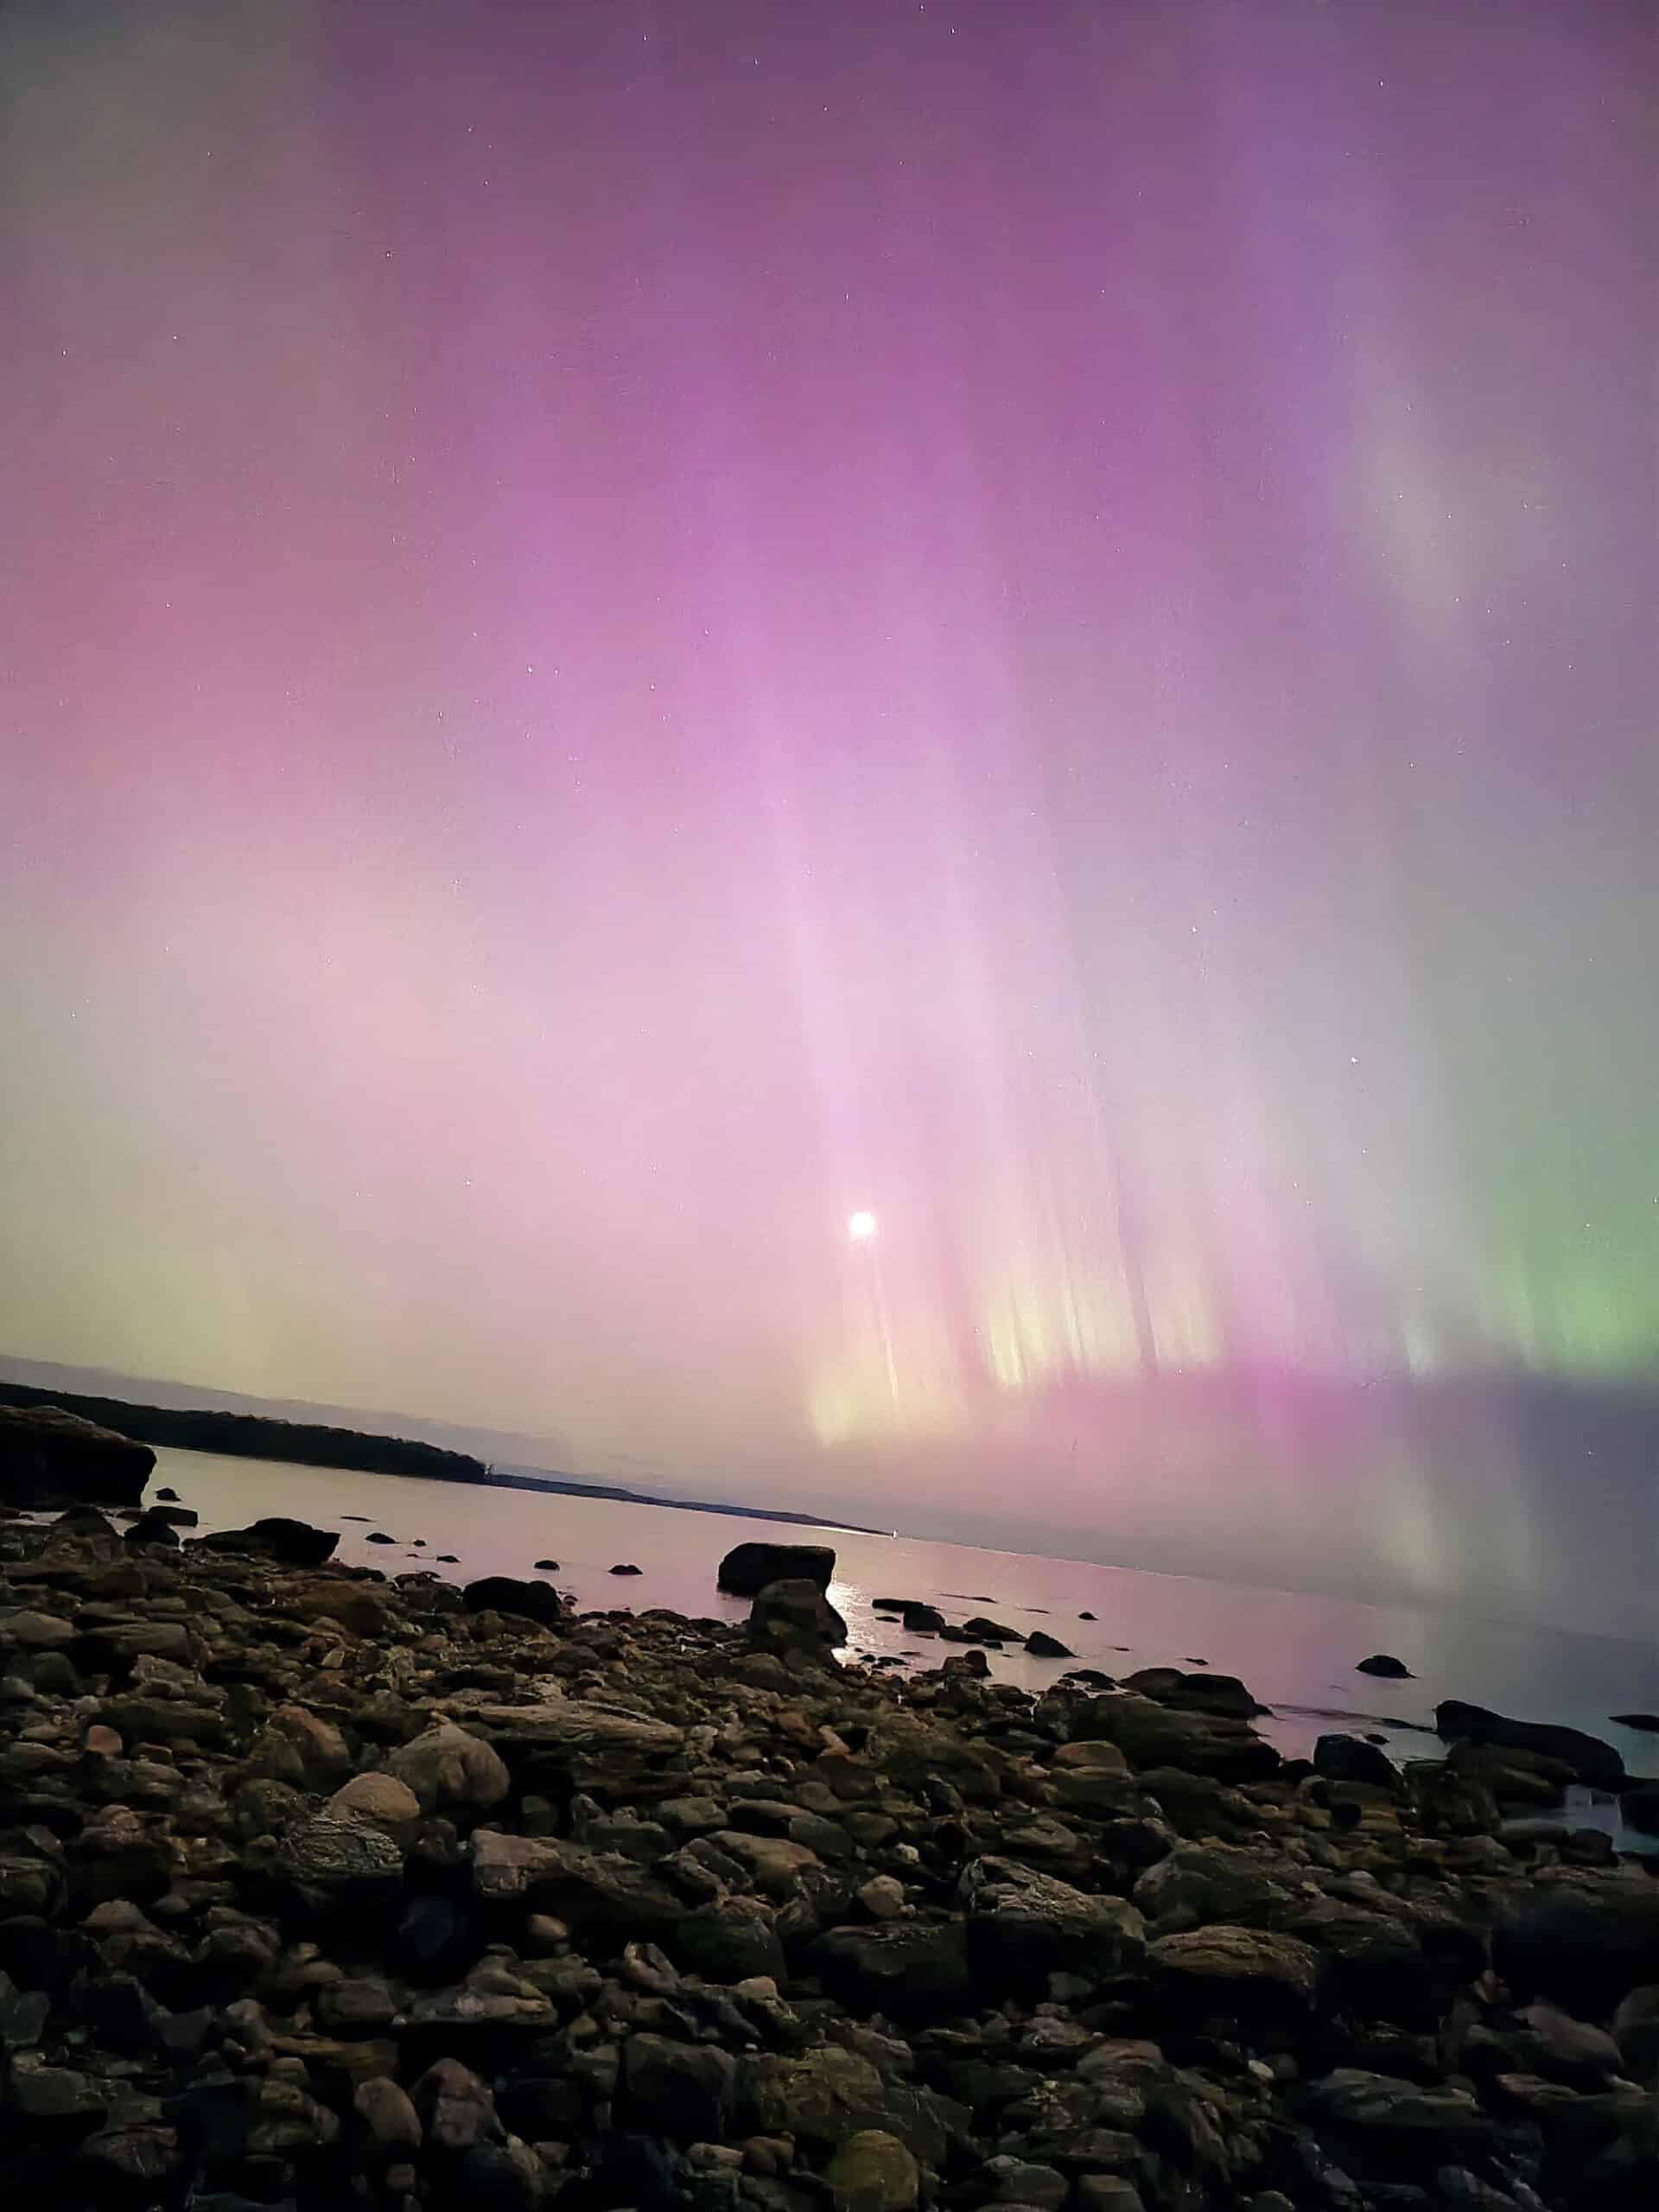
503	1593
872	2172
1201	1883
299	1746
1586	1946
1234	1972
1350	1758
569	1731
1590	1760
1151	1733
830	2094
450	1771
1223	1694
295	1543
1041	1645
388	2117
1023	1925
627	1566
1636	2030
1408	2127
1386	1666
595	1893
1640	1806
47	1455
157	1526
746	1570
795	1617
382	1800
342	1860
909	1969
676	2089
733	1941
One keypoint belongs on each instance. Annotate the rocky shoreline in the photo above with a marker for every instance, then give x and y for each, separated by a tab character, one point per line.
319	1888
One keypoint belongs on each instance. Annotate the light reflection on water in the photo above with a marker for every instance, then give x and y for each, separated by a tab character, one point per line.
1296	1651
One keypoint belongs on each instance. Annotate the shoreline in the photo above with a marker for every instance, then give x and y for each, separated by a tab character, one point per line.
330	1889
319	1443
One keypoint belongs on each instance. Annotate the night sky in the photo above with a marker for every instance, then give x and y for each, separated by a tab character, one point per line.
626	631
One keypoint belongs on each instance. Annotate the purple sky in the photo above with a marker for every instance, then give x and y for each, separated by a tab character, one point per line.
625	630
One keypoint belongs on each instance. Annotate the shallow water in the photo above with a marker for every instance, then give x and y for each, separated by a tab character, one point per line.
1296	1651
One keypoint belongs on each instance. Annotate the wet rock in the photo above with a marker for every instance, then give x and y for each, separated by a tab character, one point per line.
156	1528
1041	1645
795	1617
1350	1758
921	1620
874	2171
503	1593
749	1569
981	1629
1385	1666
1152	1734
1590	1760
626	1568
295	1543
1221	1694
1640	1806
544	1565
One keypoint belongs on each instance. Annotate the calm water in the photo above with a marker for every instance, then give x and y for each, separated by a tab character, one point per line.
1296	1651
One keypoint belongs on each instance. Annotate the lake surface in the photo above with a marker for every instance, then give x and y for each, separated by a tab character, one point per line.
1296	1651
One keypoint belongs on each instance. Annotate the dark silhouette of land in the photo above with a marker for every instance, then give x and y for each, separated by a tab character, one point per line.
246	1435
253	1436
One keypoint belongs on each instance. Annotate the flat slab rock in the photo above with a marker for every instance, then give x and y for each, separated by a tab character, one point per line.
575	1726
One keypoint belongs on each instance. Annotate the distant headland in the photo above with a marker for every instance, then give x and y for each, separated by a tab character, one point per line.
321	1444
256	1436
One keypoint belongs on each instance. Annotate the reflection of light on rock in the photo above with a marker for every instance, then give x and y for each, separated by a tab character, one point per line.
860	1227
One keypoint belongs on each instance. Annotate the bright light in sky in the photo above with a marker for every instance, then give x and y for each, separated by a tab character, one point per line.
860	1227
